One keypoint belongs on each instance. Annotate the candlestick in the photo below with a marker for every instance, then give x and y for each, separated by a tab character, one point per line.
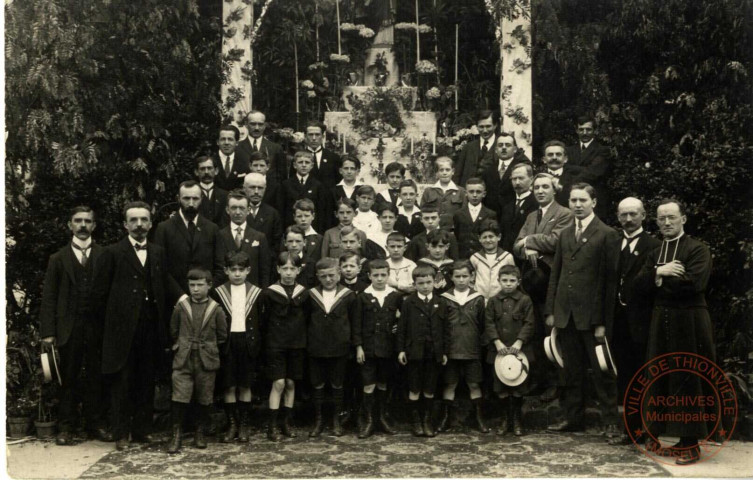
457	26
434	147
418	37
411	145
345	145
297	94
337	10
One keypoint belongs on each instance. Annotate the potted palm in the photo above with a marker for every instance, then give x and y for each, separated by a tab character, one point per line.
19	383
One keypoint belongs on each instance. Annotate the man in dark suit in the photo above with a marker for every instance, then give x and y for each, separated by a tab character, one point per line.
231	164
213	199
67	320
593	161
497	171
302	184
326	163
260	164
632	314
188	240
513	212
238	236
474	153
557	165
468	219
256	142
261	216
130	296
580	304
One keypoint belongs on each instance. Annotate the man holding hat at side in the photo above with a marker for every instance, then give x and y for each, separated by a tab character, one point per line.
580	304
509	330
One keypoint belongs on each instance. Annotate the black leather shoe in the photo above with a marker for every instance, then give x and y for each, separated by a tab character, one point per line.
64	438
566	426
122	444
689	457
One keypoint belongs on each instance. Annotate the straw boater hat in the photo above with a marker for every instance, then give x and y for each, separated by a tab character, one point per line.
512	370
604	356
50	361
553	349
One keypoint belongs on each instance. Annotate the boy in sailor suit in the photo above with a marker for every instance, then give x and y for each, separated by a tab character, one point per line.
285	341
331	313
374	337
489	260
239	299
462	314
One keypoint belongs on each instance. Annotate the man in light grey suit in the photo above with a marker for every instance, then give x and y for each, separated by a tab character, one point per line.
537	239
535	245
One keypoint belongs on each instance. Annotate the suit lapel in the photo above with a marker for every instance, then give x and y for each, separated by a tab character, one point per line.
551	211
68	258
586	235
180	226
131	257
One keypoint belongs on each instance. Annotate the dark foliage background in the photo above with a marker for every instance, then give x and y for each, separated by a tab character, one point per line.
108	100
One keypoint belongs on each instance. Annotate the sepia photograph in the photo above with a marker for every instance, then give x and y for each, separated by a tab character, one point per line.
378	239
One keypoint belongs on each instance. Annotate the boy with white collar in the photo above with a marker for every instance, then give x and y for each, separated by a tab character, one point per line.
374	337
462	313
444	194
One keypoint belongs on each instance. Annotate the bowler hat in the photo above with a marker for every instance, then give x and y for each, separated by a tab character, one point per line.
535	282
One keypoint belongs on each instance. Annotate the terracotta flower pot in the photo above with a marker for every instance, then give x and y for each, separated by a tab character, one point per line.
45	429
18	427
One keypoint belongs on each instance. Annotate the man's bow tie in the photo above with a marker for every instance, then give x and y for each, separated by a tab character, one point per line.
140	246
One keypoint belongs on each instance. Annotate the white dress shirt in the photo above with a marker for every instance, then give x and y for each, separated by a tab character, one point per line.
84	245
628	239
238	304
223	161
474	211
139	253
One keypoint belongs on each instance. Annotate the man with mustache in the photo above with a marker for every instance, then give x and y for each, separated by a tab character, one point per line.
188	240
514	212
632	313
261	216
68	320
230	162
130	297
257	142
557	165
497	173
213	198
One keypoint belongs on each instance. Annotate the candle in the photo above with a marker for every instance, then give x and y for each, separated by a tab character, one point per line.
411	145
345	143
337	11
418	37
434	146
456	64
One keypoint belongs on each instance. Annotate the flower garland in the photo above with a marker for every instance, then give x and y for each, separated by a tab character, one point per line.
377	112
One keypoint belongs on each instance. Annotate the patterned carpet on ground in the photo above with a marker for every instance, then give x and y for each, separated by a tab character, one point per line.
461	454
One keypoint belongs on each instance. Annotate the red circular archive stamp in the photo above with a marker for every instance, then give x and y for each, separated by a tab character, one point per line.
681	395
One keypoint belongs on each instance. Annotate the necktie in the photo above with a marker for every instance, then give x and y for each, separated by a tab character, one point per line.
518	203
484	149
140	246
191	230
578	230
83	250
207	192
303	182
426	300
254	146
253	212
238	237
539	215
582	146
227	165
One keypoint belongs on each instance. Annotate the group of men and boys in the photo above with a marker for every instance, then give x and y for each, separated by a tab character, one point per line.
299	268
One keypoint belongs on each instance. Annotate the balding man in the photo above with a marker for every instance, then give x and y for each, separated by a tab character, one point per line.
261	216
256	142
632	312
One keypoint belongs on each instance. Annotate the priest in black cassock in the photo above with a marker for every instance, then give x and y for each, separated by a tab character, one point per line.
677	273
